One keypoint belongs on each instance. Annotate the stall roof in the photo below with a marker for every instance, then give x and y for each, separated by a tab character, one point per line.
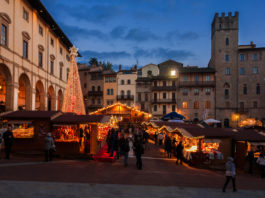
29	115
251	135
70	118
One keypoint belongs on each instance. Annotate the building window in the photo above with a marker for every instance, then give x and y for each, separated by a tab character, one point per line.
196	105
93	88
255	70
139	97
245	90
173	108
155	84
52	42
227	41
208	78
196	78
255	57
61	72
255	104
3	35
99	101
184	105
207	105
173	96
226	58
61	51
226	93
40	30
25	49
84	85
258	89
164	109
149	73
93	101
220	26
185	91
128	92
164	95
196	91
25	14
164	83
185	78
173	83
155	96
122	92
128	82
241	106
207	91
242	71
155	107
99	88
227	71
52	68
242	57
40	59
146	97
67	73
122	82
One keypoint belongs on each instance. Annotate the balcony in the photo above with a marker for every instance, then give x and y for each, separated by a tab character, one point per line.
125	97
164	88
197	84
95	93
163	101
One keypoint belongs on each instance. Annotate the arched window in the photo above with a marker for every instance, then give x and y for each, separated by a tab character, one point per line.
128	93
185	105
128	82
196	105
207	105
122	92
98	88
227	41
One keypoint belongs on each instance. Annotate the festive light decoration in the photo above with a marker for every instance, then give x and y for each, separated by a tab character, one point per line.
250	122
73	98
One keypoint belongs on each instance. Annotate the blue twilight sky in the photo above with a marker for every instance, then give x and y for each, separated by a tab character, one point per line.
151	31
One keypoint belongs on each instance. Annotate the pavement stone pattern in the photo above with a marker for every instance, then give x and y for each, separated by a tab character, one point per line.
14	189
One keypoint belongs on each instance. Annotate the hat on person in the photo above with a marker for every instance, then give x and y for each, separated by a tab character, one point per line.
49	134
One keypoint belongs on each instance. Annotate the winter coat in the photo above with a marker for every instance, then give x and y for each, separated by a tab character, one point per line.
230	168
8	138
124	145
49	143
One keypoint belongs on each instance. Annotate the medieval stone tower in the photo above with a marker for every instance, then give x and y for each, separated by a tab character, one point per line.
224	53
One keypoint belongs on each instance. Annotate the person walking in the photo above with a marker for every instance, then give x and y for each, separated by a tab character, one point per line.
8	140
168	146
261	163
49	147
124	149
155	136
179	151
230	173
138	150
160	138
251	160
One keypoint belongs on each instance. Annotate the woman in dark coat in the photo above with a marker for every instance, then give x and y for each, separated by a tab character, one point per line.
138	150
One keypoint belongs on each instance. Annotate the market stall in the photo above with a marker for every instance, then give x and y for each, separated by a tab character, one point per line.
75	134
29	128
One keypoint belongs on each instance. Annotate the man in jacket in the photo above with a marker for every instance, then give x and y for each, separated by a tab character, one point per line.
138	150
8	139
230	173
49	147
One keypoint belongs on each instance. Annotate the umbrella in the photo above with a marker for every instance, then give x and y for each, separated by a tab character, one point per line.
173	116
212	121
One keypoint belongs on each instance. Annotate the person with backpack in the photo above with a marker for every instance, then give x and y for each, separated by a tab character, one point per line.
124	149
8	140
138	150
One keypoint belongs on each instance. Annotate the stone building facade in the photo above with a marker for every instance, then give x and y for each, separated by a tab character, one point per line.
110	88
239	73
34	57
91	78
126	86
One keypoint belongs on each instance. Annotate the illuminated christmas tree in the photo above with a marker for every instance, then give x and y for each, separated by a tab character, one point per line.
73	98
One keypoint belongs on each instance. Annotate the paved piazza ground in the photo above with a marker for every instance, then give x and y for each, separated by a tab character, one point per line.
160	177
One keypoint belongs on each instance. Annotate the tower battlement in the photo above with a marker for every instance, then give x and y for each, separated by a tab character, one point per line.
223	15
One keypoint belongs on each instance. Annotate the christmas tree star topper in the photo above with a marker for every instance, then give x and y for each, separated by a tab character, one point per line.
74	51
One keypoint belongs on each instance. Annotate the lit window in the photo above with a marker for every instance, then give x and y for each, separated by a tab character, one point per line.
207	105
185	105
196	105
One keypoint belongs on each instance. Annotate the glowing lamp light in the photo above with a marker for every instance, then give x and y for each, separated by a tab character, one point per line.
173	73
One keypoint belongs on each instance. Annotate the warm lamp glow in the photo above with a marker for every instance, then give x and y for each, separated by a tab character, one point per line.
173	73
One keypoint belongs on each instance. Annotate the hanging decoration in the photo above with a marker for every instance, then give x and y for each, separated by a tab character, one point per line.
73	98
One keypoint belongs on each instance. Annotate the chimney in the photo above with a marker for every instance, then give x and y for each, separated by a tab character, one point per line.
119	67
252	44
230	14
223	14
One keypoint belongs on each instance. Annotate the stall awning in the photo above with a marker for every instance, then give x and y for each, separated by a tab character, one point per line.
30	115
70	119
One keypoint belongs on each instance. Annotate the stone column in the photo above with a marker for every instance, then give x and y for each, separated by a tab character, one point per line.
15	96
33	106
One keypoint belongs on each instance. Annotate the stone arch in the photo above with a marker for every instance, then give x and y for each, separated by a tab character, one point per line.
24	93
60	100
40	96
51	99
5	89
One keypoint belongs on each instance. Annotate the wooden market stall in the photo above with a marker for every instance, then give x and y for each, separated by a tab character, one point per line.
75	134
124	114
29	128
